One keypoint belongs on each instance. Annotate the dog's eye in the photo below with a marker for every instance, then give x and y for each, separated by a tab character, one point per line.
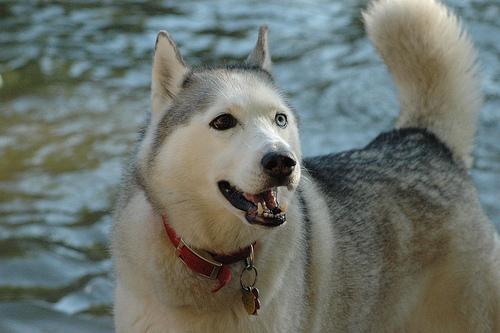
281	120
223	122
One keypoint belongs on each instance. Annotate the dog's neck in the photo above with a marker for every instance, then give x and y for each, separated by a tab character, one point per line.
215	267
225	234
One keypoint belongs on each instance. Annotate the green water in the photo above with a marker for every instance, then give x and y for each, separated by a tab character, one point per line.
74	89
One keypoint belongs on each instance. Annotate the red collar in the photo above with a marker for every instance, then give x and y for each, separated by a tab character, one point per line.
213	269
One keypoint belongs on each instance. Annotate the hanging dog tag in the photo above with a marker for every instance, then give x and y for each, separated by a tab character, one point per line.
250	298
249	294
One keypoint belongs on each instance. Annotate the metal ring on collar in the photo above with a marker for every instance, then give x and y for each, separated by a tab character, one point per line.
248	269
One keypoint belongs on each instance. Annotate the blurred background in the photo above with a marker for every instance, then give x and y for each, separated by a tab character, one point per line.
74	87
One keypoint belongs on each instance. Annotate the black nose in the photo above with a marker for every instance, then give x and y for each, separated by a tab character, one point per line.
278	165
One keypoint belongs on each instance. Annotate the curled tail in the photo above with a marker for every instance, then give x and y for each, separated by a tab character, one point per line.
433	63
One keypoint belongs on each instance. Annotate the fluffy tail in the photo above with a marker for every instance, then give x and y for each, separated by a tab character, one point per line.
433	63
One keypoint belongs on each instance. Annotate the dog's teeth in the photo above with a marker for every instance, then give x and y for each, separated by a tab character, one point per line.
260	210
265	214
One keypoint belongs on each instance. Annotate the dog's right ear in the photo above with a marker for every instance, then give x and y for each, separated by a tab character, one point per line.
168	72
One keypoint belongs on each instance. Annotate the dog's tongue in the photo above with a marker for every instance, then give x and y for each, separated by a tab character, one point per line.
268	197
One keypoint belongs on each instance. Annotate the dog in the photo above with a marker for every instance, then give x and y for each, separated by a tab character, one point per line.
222	226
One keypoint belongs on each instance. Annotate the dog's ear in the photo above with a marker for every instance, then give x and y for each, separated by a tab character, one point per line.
168	72
260	55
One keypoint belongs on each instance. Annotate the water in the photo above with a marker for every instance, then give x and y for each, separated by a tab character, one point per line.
74	89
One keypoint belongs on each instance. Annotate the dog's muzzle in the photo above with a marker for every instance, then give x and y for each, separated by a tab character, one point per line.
262	208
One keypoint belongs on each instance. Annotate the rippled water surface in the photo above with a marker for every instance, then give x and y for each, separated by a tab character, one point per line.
74	89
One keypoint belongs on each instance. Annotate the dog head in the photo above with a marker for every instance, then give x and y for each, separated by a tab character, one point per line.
221	155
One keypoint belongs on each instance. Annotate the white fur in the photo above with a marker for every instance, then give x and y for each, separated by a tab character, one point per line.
167	74
157	293
433	63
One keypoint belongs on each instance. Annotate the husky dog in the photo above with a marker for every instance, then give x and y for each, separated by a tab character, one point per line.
387	238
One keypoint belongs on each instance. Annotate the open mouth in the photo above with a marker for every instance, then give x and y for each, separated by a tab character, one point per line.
262	208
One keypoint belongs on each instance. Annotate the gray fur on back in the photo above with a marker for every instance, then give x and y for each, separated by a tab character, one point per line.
403	180
403	171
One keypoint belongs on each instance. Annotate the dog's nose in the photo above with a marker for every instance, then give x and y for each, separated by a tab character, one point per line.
278	165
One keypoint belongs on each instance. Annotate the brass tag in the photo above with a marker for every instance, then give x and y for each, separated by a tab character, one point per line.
250	298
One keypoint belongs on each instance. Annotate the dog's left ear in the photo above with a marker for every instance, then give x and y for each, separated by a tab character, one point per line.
260	55
168	72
